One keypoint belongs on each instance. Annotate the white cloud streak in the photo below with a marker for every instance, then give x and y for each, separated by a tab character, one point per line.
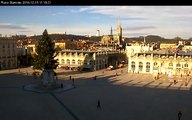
138	28
11	26
163	18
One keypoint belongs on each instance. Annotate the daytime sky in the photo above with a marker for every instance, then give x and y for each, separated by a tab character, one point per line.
165	21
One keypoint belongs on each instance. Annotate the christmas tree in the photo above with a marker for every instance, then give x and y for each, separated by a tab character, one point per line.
45	53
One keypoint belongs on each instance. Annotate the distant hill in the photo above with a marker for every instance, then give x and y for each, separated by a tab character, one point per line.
69	37
155	39
140	39
61	36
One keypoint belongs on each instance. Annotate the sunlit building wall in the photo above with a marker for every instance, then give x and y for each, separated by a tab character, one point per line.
78	59
170	64
168	45
8	53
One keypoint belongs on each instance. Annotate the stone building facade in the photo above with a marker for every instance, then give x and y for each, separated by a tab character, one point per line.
91	60
8	53
159	63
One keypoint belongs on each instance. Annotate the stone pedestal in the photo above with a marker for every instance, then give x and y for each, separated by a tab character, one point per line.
48	77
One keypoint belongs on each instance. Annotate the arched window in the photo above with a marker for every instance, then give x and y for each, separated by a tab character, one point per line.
162	64
140	66
186	57
62	54
185	65
179	57
73	54
171	57
68	61
170	64
155	64
68	54
73	61
133	66
79	62
62	61
148	67
85	61
178	65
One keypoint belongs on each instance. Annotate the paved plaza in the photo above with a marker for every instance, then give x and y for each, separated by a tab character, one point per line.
125	96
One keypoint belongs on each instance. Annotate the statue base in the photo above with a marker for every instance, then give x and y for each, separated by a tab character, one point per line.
49	78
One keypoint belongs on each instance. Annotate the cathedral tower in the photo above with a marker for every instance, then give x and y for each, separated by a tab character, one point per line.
119	31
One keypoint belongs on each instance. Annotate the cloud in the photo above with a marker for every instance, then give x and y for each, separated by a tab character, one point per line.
133	18
84	9
67	11
167	21
11	26
162	13
135	34
26	31
138	28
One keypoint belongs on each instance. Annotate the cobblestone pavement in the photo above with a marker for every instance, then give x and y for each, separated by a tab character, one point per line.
125	96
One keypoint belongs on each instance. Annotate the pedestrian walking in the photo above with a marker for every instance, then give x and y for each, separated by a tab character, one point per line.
95	77
98	104
73	81
175	81
70	77
179	115
186	83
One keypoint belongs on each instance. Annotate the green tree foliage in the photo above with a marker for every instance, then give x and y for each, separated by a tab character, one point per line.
46	52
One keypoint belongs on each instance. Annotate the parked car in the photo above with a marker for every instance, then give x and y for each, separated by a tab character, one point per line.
120	65
110	68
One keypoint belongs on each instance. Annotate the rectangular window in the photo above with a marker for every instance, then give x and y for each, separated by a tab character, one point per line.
148	67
